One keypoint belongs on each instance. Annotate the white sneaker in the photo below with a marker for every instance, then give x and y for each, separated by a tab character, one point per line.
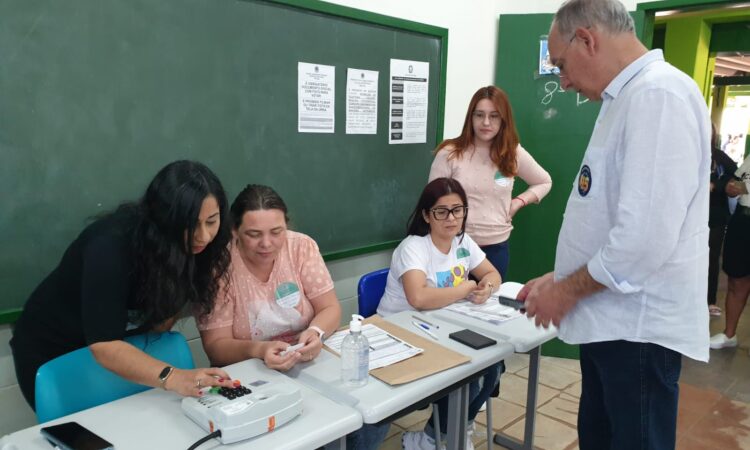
721	341
418	440
469	433
483	407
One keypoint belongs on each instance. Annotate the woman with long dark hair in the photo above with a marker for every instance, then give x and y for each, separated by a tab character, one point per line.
430	269
132	271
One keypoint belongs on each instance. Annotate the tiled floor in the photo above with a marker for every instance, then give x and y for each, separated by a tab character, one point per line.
714	408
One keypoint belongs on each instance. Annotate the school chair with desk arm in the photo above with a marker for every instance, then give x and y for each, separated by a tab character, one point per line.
75	381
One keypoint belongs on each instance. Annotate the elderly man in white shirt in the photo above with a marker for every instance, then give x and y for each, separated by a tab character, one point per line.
630	272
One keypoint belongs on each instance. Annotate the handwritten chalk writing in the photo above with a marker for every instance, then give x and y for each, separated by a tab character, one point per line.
553	87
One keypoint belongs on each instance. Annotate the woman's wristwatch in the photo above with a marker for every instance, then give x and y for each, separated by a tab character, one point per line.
164	375
318	330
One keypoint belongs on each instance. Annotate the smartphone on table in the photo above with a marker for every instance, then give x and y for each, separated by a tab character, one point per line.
73	436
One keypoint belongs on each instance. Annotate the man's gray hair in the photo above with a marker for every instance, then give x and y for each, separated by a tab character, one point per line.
607	15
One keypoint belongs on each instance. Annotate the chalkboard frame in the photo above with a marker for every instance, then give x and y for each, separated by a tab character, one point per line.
9	316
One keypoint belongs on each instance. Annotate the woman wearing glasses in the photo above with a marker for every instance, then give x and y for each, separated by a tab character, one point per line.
430	269
486	158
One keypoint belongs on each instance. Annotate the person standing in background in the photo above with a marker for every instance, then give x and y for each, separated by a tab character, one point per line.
722	169
736	261
485	159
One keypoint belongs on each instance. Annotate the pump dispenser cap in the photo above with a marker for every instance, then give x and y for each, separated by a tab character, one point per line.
356	323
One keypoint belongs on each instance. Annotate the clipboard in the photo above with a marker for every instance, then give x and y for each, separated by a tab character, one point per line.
434	359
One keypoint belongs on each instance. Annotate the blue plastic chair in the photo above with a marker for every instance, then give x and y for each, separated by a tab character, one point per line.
75	381
370	290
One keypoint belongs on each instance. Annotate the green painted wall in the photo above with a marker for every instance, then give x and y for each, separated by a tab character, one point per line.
718	101
686	46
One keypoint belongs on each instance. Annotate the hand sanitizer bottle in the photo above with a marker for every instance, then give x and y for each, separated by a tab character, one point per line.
355	355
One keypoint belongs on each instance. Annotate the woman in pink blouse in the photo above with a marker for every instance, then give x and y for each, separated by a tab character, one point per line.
279	293
485	159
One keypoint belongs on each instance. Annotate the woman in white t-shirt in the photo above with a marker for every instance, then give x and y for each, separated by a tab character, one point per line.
430	269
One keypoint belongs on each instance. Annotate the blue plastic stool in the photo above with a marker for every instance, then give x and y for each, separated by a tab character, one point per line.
75	381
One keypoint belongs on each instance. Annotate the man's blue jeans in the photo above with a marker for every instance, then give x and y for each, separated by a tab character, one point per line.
629	396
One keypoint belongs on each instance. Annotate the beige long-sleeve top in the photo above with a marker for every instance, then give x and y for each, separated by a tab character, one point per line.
489	191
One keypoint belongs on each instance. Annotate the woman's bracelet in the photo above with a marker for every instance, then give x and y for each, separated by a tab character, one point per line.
522	200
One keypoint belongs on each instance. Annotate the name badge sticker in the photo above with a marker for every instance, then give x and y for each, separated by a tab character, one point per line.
501	180
287	295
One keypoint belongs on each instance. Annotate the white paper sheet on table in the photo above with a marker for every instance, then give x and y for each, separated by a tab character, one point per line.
385	349
490	311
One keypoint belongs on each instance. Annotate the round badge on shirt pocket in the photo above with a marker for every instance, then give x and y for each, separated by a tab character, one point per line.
584	181
501	180
287	295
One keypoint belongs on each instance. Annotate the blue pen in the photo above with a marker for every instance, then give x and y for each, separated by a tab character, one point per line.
424	329
421	320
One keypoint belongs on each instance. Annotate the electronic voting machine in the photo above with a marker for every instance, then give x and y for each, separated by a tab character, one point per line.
246	411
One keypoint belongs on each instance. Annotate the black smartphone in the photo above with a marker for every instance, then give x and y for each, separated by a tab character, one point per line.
73	436
512	302
472	339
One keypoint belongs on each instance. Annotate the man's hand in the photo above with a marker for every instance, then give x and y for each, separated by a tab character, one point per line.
545	301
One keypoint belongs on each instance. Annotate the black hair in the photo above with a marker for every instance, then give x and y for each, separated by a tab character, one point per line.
431	193
168	275
254	198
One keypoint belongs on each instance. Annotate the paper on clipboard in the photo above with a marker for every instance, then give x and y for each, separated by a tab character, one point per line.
385	348
490	311
434	358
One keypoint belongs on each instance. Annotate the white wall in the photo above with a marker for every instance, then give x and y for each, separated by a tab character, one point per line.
472	38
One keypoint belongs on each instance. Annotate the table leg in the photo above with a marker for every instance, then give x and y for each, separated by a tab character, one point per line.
531	393
458	415
338	444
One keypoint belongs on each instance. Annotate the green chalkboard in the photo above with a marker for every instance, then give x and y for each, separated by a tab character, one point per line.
96	96
554	127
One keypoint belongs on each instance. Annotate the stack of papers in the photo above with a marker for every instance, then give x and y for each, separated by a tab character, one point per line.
385	349
490	311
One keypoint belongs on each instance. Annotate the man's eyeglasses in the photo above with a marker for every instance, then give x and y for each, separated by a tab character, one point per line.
559	66
442	213
480	116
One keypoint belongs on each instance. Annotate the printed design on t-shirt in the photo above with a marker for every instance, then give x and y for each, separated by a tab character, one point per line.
584	181
501	180
451	278
462	253
287	294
